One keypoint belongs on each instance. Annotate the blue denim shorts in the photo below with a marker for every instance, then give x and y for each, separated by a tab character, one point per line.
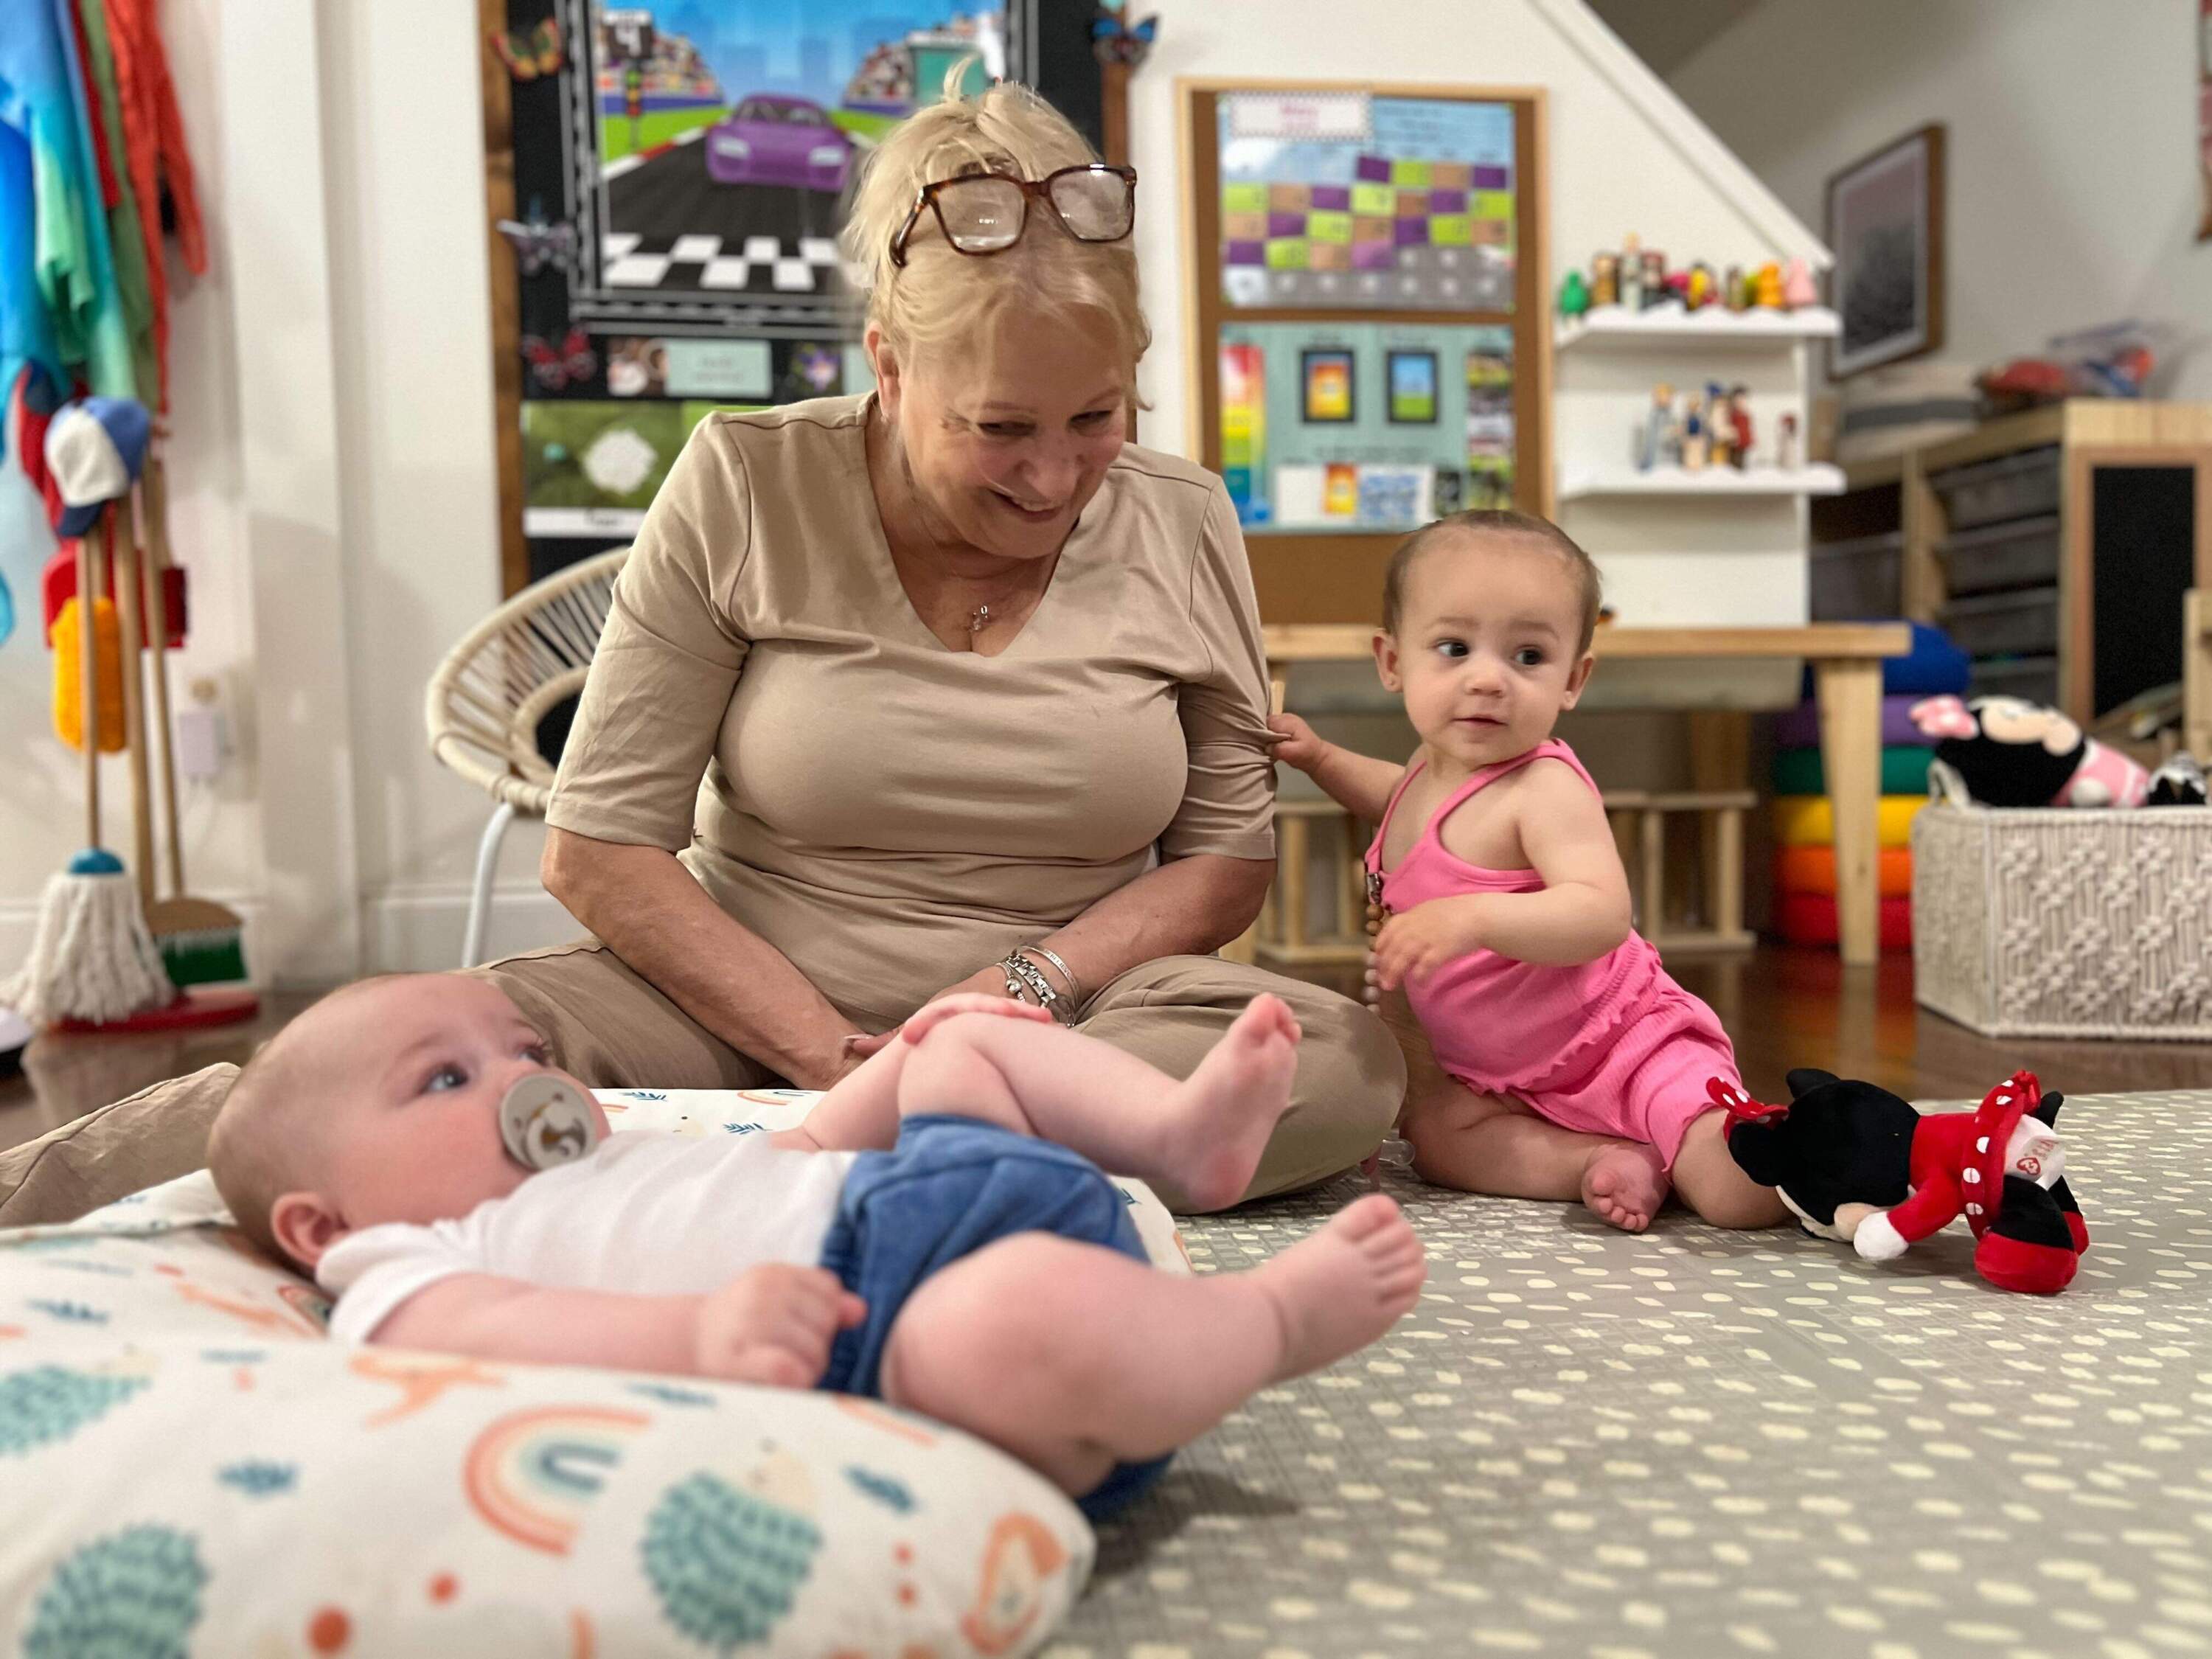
952	1186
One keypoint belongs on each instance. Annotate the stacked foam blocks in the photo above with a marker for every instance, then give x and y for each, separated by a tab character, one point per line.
1804	817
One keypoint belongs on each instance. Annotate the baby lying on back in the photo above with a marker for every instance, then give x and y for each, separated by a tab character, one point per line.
937	1234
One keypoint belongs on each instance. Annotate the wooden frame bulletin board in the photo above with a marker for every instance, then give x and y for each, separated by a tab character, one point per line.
1407	347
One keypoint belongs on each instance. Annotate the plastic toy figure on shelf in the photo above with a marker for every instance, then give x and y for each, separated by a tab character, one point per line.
1574	296
1605	281
1788	454
1766	289
1738	291
1739	415
1798	289
1720	427
1656	427
1632	277
1656	291
1695	438
1700	292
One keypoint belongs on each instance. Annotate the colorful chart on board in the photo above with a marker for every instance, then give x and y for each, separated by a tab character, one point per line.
1345	199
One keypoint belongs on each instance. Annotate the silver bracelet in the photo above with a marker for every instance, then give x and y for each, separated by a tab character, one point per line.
1018	967
1074	985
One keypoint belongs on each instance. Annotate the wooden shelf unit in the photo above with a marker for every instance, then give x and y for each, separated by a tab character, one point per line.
1896	493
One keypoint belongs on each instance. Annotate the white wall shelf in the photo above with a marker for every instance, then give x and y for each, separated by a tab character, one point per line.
1818	480
1615	327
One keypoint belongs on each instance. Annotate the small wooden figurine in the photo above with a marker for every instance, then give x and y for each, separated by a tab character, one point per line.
1798	289
1694	438
1738	291
1655	278
1766	292
1720	427
1574	296
1632	274
1656	427
1739	418
1788	454
1605	281
1699	292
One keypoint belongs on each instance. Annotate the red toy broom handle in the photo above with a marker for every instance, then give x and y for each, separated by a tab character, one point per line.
155	502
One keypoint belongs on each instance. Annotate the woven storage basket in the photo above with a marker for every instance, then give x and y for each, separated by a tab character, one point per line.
2064	923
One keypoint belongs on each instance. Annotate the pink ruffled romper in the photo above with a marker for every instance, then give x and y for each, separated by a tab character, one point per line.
1611	1048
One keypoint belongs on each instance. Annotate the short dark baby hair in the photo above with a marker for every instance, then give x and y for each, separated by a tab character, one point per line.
1494	521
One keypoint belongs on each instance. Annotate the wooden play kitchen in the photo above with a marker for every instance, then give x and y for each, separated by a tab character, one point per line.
1846	661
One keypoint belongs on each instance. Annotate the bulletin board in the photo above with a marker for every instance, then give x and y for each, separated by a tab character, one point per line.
1372	344
666	182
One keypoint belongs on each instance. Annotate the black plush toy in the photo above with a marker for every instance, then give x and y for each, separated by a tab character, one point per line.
2005	753
1854	1163
2180	782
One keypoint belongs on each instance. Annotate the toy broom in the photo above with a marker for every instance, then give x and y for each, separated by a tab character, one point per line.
200	941
91	958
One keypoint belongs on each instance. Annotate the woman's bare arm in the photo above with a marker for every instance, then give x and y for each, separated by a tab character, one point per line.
651	912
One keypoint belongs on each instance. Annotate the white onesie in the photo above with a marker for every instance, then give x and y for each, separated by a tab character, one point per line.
652	1213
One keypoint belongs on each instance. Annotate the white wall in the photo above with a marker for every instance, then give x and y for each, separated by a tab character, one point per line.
2071	148
410	296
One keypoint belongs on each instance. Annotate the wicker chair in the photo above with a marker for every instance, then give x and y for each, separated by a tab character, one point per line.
487	698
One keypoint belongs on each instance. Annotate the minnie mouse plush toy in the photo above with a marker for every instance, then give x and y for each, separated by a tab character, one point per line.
1857	1163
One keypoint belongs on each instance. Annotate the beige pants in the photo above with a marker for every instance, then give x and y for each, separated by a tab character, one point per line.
612	1030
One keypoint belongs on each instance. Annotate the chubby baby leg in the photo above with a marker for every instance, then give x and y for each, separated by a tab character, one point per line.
1483	1143
1713	1183
1074	1357
1203	1133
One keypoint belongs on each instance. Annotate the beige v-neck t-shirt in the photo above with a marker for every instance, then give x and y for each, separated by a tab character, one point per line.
890	814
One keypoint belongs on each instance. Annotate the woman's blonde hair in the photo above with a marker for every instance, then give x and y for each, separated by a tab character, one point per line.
943	299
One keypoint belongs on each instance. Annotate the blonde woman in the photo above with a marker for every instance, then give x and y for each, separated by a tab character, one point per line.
946	688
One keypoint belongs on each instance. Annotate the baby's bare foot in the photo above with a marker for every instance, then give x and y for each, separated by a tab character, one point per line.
1343	1286
1218	1121
1624	1185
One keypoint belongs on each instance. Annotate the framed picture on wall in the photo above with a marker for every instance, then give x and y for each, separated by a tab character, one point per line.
1886	228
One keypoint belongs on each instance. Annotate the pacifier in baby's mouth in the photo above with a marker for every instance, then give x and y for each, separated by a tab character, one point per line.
545	1121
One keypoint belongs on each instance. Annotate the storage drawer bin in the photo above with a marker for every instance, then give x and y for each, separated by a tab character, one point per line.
2011	487
1856	579
2032	679
2053	922
2004	624
2022	554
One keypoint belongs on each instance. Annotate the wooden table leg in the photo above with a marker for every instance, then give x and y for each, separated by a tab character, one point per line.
1850	753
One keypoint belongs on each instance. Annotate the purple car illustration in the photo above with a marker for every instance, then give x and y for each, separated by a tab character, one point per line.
778	141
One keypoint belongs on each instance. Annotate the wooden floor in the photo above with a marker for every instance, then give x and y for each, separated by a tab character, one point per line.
1784	1008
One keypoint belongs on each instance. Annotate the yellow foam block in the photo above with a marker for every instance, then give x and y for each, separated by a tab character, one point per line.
1810	820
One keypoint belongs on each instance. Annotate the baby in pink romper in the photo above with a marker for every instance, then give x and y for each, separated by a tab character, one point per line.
1578	1068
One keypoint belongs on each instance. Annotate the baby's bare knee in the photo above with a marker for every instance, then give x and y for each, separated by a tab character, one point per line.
973	1329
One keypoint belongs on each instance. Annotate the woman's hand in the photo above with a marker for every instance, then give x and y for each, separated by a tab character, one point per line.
978	992
1295	742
